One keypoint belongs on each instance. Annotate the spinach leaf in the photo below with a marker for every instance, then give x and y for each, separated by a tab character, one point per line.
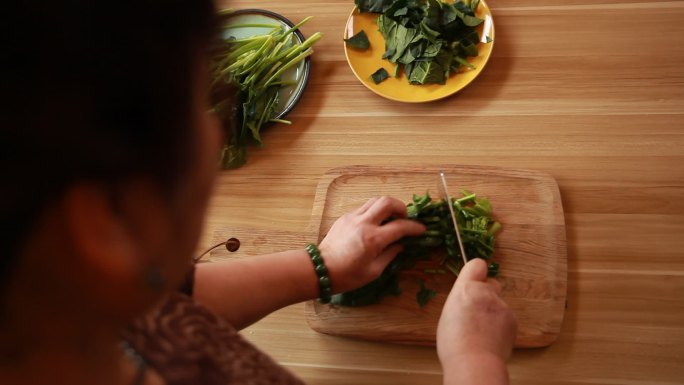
433	15
428	33
466	14
449	14
413	52
470	21
358	41
468	48
374	6
233	155
401	12
433	49
397	8
389	53
427	72
380	76
461	61
464	8
408	13
424	295
397	38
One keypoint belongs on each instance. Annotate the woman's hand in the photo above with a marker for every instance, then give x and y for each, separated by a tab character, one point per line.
359	246
476	330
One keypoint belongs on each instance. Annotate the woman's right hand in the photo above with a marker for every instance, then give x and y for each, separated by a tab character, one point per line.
476	329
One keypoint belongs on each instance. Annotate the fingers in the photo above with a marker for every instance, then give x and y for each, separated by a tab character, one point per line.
399	228
495	285
386	207
386	256
474	270
366	205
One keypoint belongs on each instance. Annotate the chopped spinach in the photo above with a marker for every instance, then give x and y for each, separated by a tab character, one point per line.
379	76
429	39
477	229
358	41
424	295
375	6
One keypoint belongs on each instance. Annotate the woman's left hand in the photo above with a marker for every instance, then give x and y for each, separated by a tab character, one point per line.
360	244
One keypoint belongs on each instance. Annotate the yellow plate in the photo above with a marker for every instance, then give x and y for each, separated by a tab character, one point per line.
364	63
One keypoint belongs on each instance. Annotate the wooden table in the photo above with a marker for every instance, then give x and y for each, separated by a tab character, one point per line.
591	92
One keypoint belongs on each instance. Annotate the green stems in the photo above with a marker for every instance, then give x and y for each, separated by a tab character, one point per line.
255	66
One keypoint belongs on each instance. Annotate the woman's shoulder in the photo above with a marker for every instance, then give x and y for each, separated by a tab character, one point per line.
188	344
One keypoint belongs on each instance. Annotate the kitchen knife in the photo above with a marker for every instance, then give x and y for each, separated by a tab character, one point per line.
444	190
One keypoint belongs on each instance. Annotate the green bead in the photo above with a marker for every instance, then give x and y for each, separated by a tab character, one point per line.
326	292
317	260
321	270
324	282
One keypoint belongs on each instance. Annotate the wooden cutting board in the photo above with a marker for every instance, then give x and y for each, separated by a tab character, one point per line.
531	249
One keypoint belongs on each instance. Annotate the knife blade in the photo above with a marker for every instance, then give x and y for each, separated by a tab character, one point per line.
444	190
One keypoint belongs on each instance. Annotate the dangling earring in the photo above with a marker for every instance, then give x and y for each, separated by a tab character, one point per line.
154	279
231	244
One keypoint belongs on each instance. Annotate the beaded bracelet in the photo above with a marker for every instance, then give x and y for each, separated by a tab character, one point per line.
321	272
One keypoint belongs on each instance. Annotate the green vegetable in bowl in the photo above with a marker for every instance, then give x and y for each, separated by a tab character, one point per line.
430	39
439	244
253	67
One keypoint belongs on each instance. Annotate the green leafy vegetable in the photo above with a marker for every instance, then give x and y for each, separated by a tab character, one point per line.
358	41
426	72
250	70
430	39
375	6
424	295
380	76
477	229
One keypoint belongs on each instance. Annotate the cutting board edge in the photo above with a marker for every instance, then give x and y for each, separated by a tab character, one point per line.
522	342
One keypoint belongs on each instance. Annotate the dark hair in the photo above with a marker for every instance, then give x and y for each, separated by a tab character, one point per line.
92	90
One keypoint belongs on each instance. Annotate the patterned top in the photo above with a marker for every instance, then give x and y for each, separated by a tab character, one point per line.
188	344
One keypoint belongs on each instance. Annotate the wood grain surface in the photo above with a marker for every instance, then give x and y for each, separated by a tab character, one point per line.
590	92
531	250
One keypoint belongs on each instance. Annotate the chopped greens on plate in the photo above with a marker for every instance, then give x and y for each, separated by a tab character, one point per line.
438	244
358	41
253	68
380	76
428	39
